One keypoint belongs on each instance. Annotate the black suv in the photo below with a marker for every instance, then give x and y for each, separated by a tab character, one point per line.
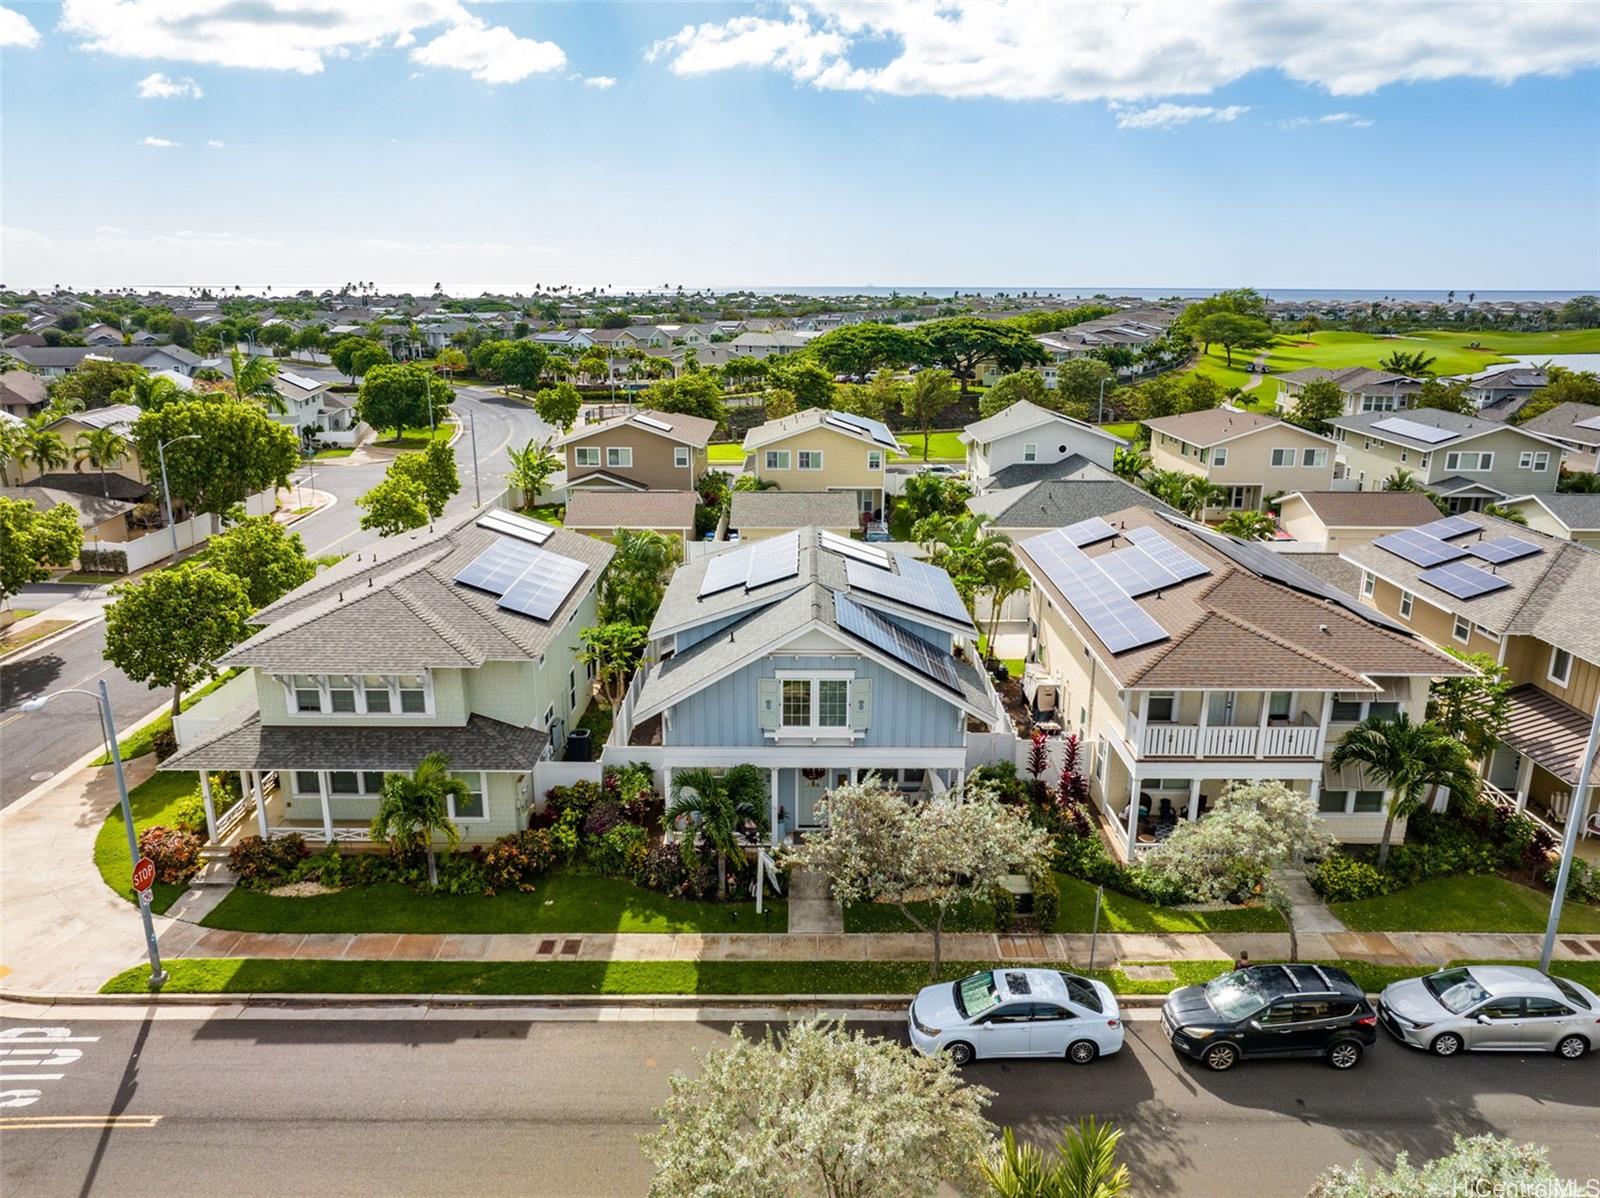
1272	1011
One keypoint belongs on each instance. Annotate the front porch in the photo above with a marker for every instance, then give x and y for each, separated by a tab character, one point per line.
1535	768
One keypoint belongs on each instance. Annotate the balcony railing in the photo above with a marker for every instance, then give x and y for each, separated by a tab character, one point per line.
1229	740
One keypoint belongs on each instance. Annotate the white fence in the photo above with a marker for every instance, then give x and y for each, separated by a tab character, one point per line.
342	436
150	548
561	773
189	726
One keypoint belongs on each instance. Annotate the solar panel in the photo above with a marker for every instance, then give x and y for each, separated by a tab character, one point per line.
726	570
1592	422
855	550
926	588
1463	581
890	638
1135	571
1119	622
1448	528
773	559
1168	554
875	429
1419	548
1504	549
512	525
544	586
1087	532
652	422
1430	434
498	566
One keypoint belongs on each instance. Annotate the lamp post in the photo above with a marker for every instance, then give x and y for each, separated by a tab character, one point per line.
1577	816
166	493
158	976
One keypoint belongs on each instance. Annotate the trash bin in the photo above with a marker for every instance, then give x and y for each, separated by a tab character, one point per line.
578	746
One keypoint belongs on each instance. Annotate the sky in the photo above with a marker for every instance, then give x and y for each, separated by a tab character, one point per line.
1016	143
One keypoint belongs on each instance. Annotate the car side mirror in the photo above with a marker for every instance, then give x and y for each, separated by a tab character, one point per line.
1483	1019
1255	1025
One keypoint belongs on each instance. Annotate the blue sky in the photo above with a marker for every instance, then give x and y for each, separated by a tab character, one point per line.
1017	143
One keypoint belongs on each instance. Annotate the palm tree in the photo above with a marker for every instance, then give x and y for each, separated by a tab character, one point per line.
1402	480
1003	584
1129	462
721	806
252	380
1199	494
1510	514
148	393
636	577
1168	486
100	448
13	448
1409	759
1084	1165
45	449
1249	526
413	809
531	468
1414	365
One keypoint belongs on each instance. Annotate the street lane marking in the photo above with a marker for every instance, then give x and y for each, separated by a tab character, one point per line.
70	1122
35	1048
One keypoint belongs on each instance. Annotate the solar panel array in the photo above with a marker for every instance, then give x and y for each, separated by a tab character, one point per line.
1592	422
855	550
1418	548
890	638
512	525
1428	434
1449	528
497	567
1112	615
1462	580
924	587
529	580
753	565
852	423
1135	571
1087	532
1165	552
652	422
725	571
1504	549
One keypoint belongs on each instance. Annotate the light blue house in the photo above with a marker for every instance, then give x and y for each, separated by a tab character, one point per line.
817	658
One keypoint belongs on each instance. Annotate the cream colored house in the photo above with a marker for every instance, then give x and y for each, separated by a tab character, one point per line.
73	429
1335	520
1572	516
641	451
756	515
822	450
1228	663
1252	457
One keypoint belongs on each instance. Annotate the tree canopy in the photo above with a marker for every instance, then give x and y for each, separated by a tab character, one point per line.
398	396
1564	386
237	450
1013	388
697	394
1319	402
94	384
868	346
960	343
809	382
34	541
559	405
268	559
169	628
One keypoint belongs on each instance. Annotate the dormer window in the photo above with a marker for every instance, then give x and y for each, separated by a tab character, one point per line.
359	694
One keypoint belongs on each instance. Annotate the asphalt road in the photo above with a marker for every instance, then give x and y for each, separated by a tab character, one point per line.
31	746
473	1106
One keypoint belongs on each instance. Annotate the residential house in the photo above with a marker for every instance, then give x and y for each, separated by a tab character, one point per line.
1577	427
101	334
1485	585
1570	515
1466	461
769	345
1363	389
55	361
818	659
103	519
757	515
1027	434
1031	508
644	451
1136	329
462	640
1185	660
22	393
73	428
1333	520
823	450
577	340
1501	393
604	513
1252	457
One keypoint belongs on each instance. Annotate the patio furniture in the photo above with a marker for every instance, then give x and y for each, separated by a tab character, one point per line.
1560	804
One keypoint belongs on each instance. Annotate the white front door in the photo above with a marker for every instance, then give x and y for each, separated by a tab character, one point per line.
807	795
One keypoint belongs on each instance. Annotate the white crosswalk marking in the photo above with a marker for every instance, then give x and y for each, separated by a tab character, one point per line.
35	1048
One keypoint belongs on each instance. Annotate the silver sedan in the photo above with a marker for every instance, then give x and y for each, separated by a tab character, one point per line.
1493	1008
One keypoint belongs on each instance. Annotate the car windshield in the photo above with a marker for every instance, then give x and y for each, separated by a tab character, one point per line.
1456	989
1572	993
1235	995
975	995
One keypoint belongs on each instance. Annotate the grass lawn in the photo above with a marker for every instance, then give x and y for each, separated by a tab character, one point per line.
416	438
597	718
1120	913
143	740
942	447
22	613
1128	430
153	802
1465	903
726	452
93	578
564	902
323	455
1013	664
10	642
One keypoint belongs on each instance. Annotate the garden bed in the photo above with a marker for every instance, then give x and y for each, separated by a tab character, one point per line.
155	801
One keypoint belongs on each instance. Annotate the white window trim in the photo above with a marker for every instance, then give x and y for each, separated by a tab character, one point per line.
1319	458
1408	603
1276	465
1461	629
1219	455
874	459
1350	793
813	455
581	452
680	456
624	457
1369	584
776	459
483	790
326	710
1550	669
1030	452
814	729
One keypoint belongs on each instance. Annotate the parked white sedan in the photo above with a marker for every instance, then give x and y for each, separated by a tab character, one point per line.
1017	1013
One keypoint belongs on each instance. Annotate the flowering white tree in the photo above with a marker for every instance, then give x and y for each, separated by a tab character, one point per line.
1255	828
876	846
821	1112
1481	1165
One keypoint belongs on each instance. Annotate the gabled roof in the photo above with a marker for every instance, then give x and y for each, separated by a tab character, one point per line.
1024	415
120	486
606	477
793	509
689	430
1052	503
118	416
92	508
869	432
1459	427
1576	511
1213	426
1354	379
608	510
1577	422
23	386
1367	509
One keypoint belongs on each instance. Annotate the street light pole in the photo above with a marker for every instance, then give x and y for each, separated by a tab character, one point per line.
1577	814
1100	408
158	975
477	491
166	492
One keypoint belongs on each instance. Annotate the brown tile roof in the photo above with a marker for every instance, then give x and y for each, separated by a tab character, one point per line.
588	510
1370	509
691	430
1215	425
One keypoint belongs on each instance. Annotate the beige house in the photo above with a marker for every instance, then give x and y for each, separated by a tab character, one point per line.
1253	457
75	428
1572	516
643	451
1227	663
103	519
1335	520
604	513
755	515
1577	427
822	450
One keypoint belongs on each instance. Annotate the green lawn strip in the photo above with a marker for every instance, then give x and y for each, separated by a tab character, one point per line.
550	513
726	452
91	578
565	901
597	718
10	642
142	740
1464	903
1128	430
416	438
1013	664
153	802
323	455
942	447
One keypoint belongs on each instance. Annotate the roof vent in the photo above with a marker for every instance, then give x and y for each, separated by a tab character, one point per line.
1323	627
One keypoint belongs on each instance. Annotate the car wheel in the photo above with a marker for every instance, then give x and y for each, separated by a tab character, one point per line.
1572	1047
1081	1052
960	1052
1446	1045
1344	1055
1221	1057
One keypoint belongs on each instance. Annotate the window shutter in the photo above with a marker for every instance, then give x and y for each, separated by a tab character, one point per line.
767	691
860	704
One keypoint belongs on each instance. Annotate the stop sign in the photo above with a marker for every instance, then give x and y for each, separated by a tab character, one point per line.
144	874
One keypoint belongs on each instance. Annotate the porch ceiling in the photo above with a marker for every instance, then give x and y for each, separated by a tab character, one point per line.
1550	732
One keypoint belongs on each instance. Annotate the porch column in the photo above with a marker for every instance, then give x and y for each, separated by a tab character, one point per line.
1194	799
772	798
852	775
1261	724
1205	722
211	809
961	777
1316	792
261	803
1322	727
1524	781
327	817
1133	815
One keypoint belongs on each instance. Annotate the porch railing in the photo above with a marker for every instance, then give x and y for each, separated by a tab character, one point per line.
1501	799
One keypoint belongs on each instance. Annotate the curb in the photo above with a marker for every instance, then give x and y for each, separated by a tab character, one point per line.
59	634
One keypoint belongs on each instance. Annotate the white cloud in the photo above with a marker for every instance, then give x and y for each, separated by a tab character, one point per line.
161	143
13	236
214	144
179	241
602	82
1139	49
17	30
491	54
112	230
1353	119
301	35
1165	116
160	87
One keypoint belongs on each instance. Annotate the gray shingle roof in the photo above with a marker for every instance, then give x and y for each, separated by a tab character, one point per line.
1024	415
793	509
92	508
1578	511
1458	426
1021	474
1053	503
690	430
1212	426
1561	421
588	509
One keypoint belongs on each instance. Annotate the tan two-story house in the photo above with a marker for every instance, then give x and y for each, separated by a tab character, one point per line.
642	451
823	450
1252	457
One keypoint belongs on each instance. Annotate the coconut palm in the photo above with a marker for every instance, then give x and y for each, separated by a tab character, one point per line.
720	807
531	468
414	808
45	449
636	577
1402	480
1168	486
1084	1165
1199	494
1249	526
1129	462
253	380
100	448
1409	759
1006	581
1414	365
148	393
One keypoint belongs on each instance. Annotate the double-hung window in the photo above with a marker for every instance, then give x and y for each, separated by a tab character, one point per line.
1529	460
341	693
1369	584
379	698
307	693
680	456
413	694
810	459
1407	601
874	459
359	694
1030	453
619	455
585	455
1462	630
1219	456
777	459
475	806
796	702
833	702
1282	457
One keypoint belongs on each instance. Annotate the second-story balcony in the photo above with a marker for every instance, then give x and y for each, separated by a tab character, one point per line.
1230	740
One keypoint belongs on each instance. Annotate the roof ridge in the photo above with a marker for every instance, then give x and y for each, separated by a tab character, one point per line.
414	604
1284	643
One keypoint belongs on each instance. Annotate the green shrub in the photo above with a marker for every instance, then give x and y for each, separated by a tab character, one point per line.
103	561
460	873
514	861
164	743
190	814
262	864
175	851
616	854
1046	902
1583	881
1005	908
629	783
1342	879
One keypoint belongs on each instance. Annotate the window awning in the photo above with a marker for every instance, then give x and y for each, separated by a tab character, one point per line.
1550	732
